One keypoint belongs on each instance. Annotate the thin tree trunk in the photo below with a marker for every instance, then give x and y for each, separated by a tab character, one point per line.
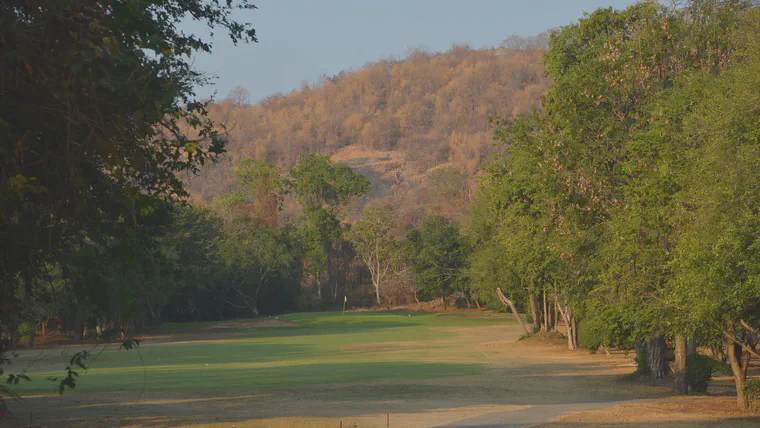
740	376
512	307
682	380
330	276
534	312
691	346
545	314
574	320
566	316
377	293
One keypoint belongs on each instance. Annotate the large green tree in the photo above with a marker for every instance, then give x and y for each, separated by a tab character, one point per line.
438	255
324	190
716	289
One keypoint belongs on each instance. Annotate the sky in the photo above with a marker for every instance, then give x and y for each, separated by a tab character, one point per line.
301	40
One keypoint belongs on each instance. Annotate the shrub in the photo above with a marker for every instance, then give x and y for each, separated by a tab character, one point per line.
752	392
700	370
461	303
642	367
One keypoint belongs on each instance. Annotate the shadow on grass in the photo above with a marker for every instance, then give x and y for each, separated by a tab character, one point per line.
335	390
325	323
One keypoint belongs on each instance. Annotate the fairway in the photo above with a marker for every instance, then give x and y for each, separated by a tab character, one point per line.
324	349
320	369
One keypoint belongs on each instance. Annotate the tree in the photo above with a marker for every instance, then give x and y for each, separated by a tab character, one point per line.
259	257
324	190
437	254
372	239
98	114
264	187
239	96
715	288
94	112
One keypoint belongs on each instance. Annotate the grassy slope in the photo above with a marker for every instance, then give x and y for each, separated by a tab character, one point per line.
329	348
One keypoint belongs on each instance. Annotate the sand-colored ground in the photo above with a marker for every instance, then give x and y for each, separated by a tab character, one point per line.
522	383
269	323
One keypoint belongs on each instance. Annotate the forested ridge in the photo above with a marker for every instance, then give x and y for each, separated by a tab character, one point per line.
397	120
605	187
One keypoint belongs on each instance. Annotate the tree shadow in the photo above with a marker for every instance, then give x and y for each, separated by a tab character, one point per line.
337	390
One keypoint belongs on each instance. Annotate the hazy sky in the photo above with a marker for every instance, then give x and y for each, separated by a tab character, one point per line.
300	40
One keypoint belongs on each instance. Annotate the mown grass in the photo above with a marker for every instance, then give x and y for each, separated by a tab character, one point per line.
328	348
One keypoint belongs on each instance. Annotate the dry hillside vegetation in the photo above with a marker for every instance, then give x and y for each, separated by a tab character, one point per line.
397	121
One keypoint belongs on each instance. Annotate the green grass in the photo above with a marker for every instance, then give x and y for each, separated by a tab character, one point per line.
322	351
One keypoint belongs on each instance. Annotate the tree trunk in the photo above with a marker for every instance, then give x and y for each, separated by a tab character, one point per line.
740	376
512	307
682	381
535	312
691	346
545	316
567	317
658	366
319	288
377	292
555	319
574	321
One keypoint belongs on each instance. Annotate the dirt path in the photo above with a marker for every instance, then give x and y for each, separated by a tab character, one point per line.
521	384
532	415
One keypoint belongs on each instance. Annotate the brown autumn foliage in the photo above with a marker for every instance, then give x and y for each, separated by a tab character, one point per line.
399	122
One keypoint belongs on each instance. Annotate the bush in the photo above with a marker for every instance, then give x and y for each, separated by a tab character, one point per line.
752	392
700	369
642	367
461	303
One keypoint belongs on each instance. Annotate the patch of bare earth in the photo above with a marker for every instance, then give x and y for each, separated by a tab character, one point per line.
676	412
253	324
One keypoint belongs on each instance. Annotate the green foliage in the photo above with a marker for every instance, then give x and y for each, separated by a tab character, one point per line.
77	362
609	327
119	90
752	392
317	183
700	369
437	253
324	190
601	196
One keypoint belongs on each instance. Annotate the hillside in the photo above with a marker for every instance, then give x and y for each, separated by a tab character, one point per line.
417	127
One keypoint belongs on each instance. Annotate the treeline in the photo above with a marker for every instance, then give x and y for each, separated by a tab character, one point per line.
628	204
176	262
